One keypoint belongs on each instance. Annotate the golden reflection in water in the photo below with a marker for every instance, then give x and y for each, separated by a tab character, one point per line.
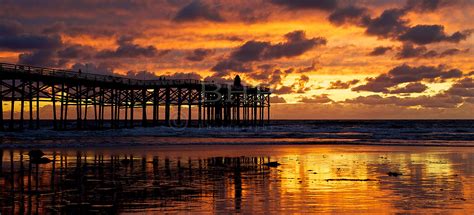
234	179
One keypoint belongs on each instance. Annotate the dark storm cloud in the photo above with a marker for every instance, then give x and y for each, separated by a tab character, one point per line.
372	100
431	54
428	5
299	86
276	77
45	57
349	14
28	42
240	59
76	51
406	74
78	5
339	85
380	50
303	79
277	100
425	34
104	69
305	69
296	70
284	90
410	88
265	76
273	77
469	100
410	51
84	17
37	50
296	44
389	24
182	75
147	75
101	69
392	24
232	38
96	31
142	75
164	52
10	27
318	99
308	4
52	52
225	66
79	27
463	87
127	49
250	15
451	52
250	51
54	28
436	101
199	54
330	5
197	10
217	78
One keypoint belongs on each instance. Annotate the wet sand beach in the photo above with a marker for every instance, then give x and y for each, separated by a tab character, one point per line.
239	179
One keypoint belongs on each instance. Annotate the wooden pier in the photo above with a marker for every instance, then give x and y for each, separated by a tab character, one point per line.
104	102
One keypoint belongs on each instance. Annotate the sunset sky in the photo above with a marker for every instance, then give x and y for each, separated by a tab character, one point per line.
323	59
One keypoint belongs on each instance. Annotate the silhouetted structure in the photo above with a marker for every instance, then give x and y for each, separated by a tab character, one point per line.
237	81
114	101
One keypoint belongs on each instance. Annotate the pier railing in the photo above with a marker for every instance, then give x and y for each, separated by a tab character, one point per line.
162	81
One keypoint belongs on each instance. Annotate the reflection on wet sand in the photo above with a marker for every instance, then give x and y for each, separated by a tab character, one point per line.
238	179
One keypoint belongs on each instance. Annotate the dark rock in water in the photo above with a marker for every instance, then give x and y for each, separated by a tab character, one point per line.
394	174
43	160
272	164
36	157
35	154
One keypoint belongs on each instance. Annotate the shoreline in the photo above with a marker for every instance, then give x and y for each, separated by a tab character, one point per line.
160	141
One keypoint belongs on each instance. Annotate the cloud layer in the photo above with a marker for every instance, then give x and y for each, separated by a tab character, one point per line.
338	54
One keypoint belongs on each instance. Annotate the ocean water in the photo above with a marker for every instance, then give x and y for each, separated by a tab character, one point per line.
361	132
288	167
